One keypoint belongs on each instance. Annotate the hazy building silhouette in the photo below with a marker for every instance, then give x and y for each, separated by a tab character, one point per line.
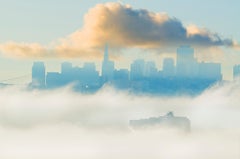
187	76
236	71
150	69
121	78
122	74
90	75
66	67
187	66
168	68
82	78
107	67
137	70
38	75
67	73
54	80
210	71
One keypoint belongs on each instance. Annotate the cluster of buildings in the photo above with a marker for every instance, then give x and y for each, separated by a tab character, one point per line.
187	74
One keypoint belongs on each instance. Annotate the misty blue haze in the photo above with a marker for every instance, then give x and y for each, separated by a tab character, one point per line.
100	109
187	76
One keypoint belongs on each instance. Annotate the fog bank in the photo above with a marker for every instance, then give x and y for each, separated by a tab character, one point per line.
62	124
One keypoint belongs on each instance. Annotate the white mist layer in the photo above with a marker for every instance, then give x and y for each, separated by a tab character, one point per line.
61	124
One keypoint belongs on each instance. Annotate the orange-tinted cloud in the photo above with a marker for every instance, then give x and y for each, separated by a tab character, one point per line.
14	49
122	27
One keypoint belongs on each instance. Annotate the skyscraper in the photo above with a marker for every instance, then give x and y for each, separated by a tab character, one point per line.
168	67
137	70
67	74
38	75
53	80
107	67
89	74
187	66
66	68
236	71
150	69
210	71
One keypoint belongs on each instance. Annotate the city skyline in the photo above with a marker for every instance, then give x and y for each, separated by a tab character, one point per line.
143	76
215	42
165	62
119	79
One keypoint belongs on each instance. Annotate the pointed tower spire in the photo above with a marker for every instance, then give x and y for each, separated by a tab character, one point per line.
106	53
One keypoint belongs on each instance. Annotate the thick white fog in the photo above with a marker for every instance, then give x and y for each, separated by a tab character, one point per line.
61	124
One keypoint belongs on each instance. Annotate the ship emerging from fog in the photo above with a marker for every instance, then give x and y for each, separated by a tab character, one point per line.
167	121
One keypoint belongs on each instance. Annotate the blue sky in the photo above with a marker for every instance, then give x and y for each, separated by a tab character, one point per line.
45	21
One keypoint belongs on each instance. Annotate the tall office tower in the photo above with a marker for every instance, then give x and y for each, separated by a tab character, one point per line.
150	69
66	68
122	74
187	66
67	75
90	75
107	67
137	70
121	78
236	71
168	68
210	71
53	80
38	75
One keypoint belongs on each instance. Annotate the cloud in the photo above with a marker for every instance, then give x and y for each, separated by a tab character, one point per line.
33	108
64	124
122	27
24	50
